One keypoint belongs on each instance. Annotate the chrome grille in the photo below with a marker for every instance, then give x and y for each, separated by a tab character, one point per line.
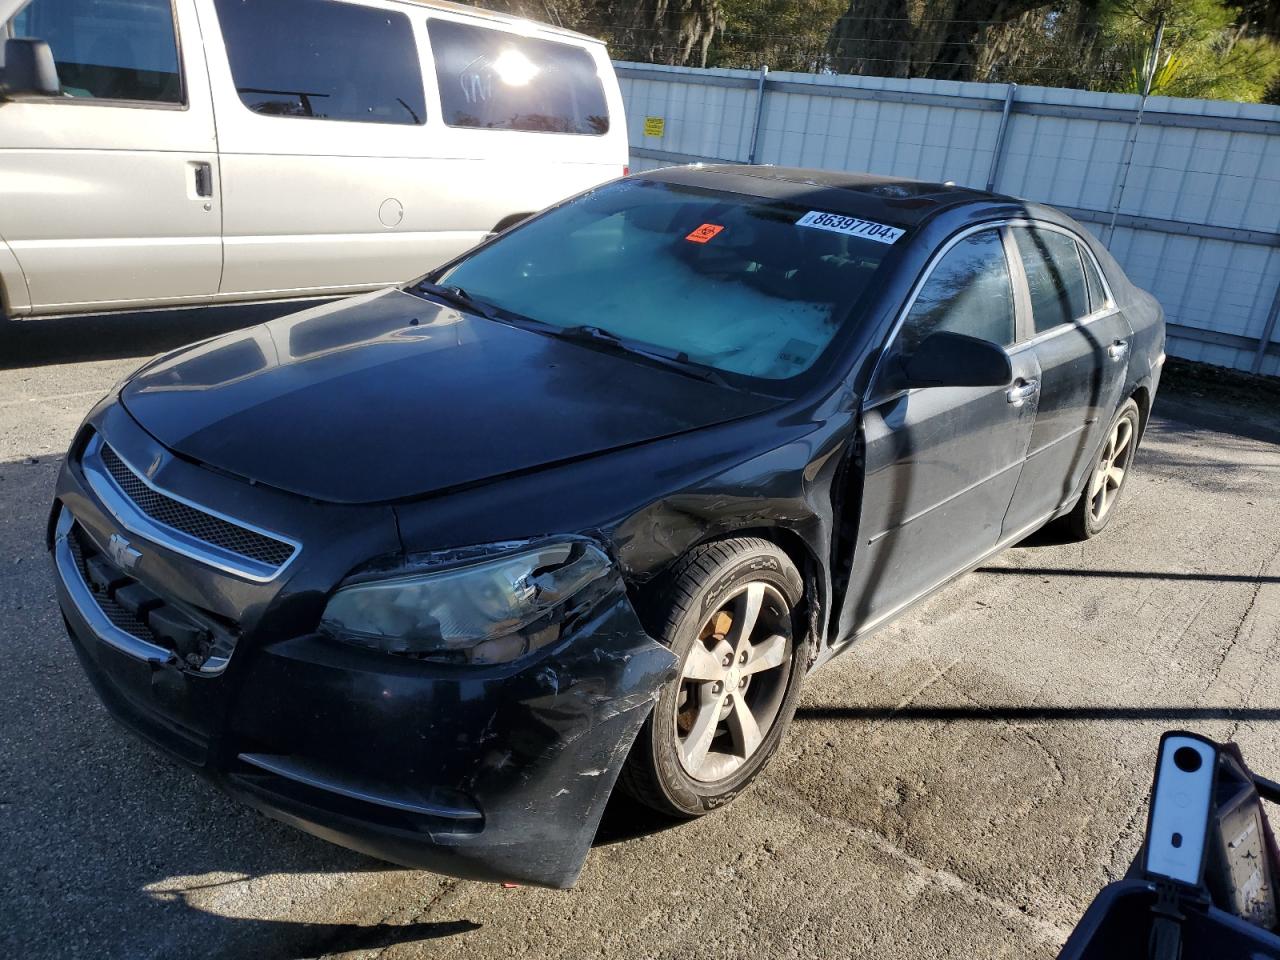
191	521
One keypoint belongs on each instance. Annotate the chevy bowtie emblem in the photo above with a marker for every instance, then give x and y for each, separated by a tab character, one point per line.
121	553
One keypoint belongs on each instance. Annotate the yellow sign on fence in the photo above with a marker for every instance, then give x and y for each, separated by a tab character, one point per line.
653	126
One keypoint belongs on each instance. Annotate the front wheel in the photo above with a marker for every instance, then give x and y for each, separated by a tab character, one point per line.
1107	477
732	623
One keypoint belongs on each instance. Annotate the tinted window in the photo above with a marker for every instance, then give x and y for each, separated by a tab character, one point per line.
724	280
113	49
501	81
1054	276
968	292
323	59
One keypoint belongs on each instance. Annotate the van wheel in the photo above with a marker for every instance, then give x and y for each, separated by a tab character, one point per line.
731	620
1107	476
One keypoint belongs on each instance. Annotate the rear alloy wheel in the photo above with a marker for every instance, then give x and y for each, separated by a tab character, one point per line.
732	623
1110	470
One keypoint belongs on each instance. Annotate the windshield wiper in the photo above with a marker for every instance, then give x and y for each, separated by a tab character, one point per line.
456	297
672	359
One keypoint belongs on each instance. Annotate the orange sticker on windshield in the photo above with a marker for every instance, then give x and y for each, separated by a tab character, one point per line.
704	232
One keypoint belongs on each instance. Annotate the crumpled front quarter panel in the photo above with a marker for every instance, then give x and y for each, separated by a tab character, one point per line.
537	747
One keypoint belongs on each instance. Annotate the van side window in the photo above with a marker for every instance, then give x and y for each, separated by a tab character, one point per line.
496	80
323	60
109	49
1055	277
968	292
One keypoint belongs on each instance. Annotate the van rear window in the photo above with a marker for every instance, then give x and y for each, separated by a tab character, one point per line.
323	60
494	80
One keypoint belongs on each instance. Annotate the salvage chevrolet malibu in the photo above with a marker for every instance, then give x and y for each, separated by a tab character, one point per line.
429	571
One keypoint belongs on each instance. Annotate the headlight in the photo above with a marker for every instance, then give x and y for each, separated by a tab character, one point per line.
492	611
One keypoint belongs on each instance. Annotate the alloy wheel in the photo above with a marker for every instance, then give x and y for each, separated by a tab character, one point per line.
1108	476
733	682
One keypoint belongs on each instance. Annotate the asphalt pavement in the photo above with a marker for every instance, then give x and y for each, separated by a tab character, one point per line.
960	784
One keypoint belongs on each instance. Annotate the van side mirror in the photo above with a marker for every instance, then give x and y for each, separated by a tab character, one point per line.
954	360
28	69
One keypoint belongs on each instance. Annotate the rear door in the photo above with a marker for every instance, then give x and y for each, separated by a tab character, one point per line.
941	463
108	193
1081	340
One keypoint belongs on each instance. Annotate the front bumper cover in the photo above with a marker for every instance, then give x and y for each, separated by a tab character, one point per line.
497	773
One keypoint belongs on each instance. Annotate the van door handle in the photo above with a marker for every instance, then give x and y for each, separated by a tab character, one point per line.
1022	391
204	179
1117	350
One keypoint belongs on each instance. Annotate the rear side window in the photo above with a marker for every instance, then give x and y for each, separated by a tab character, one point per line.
495	80
1097	292
323	60
109	49
968	292
1055	277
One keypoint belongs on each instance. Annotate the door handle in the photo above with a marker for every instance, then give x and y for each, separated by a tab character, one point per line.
204	179
1022	391
1117	350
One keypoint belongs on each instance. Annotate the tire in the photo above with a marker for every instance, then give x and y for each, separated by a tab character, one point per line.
1116	452
709	597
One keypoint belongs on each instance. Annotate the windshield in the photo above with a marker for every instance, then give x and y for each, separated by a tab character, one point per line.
721	280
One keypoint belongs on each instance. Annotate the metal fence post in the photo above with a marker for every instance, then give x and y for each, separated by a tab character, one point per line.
1268	331
755	126
998	151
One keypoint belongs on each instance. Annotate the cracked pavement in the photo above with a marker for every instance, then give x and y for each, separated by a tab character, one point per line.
959	784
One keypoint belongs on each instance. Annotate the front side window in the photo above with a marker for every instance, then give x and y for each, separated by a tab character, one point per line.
1055	277
969	292
108	49
496	80
323	60
722	280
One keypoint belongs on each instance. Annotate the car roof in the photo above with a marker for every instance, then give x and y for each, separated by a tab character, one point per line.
523	24
895	200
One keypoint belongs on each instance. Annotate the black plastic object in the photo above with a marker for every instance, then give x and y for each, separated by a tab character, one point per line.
1117	927
1229	915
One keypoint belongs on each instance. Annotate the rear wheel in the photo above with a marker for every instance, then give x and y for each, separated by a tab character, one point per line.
1110	470
731	621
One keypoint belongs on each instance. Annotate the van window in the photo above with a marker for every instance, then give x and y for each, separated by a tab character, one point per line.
323	60
501	81
108	49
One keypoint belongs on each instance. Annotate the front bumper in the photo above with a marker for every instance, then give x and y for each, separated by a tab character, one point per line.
494	773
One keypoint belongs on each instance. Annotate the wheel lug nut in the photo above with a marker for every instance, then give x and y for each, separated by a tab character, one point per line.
728	659
742	682
717	687
743	658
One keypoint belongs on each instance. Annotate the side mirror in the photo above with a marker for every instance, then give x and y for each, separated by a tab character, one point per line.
28	69
954	360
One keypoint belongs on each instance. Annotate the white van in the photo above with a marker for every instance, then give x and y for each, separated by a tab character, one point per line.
201	151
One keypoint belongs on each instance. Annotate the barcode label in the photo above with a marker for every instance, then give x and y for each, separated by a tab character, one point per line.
853	226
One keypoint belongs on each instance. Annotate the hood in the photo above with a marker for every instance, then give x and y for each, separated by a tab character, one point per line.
388	396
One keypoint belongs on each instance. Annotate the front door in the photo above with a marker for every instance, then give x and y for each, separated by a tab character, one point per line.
941	463
1082	343
108	193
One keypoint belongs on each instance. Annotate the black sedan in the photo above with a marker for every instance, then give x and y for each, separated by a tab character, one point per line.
427	572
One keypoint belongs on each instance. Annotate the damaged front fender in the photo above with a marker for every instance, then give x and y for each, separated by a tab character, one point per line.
481	773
